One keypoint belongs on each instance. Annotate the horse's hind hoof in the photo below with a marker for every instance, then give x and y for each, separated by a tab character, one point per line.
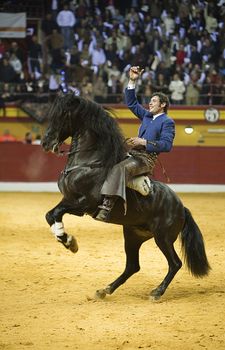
100	293
155	295
71	244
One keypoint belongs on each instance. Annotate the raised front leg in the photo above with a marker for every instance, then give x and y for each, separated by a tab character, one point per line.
132	245
54	219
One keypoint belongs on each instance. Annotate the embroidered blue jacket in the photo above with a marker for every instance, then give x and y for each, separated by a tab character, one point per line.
159	132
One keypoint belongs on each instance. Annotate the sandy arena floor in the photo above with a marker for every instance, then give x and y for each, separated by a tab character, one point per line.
47	293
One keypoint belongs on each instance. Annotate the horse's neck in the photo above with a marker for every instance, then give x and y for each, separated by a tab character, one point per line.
83	150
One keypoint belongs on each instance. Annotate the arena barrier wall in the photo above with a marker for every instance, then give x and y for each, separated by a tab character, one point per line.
183	165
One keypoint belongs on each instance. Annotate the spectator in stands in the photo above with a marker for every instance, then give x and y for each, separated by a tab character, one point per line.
194	36
169	23
17	66
2	49
195	57
37	140
72	64
211	22
123	42
183	13
58	60
34	58
111	69
87	90
111	55
156	10
147	93
66	21
206	91
7	137
180	55
100	90
160	84
55	44
177	89
193	89
114	89
208	50
164	55
18	51
155	41
98	57
2	106
48	24
28	138
55	40
54	8
81	10
7	73
7	93
216	81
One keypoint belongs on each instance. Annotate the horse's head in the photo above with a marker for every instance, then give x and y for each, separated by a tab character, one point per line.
61	125
73	116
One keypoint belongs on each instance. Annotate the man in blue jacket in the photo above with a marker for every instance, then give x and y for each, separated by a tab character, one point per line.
156	135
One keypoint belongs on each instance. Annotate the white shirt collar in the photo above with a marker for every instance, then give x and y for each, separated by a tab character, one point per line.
156	115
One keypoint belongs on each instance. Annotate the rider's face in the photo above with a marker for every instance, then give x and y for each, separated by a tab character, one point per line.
155	106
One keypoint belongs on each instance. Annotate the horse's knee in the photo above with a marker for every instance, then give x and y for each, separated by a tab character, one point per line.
49	218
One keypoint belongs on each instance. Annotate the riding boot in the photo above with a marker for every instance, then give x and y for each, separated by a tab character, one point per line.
105	208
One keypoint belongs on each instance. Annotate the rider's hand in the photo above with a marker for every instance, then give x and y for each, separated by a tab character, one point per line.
135	72
136	143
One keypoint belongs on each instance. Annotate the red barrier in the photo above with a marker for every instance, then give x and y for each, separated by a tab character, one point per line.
193	165
184	165
28	163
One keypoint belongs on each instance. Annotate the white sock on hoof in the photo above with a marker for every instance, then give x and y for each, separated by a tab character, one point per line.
58	229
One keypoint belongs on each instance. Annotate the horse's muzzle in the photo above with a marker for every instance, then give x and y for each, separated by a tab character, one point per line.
50	147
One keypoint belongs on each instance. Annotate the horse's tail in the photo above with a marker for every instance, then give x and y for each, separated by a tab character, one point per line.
193	247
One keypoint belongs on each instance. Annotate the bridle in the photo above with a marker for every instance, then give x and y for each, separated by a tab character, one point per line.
66	115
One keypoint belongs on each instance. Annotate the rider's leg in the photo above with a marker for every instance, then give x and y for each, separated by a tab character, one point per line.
115	184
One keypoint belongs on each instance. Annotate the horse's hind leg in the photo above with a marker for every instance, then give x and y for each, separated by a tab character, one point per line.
54	219
132	245
174	262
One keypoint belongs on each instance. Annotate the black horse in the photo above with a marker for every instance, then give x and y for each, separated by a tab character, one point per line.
97	144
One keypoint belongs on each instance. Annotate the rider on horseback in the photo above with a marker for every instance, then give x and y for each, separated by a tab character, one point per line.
156	134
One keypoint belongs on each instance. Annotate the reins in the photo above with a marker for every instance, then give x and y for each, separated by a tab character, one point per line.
163	170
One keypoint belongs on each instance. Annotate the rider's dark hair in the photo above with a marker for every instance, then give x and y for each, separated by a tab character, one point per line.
163	99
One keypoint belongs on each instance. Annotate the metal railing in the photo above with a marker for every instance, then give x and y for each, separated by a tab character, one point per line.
211	94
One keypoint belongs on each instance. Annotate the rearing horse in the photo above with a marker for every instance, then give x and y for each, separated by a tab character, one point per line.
97	145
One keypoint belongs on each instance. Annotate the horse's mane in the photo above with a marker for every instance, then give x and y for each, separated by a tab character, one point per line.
88	115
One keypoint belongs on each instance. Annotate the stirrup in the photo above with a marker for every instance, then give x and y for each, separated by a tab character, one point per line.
108	203
103	215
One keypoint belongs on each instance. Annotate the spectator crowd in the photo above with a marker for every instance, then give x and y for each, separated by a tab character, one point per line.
90	45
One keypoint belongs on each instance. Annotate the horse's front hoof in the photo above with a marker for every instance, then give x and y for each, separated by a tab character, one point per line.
100	293
70	243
